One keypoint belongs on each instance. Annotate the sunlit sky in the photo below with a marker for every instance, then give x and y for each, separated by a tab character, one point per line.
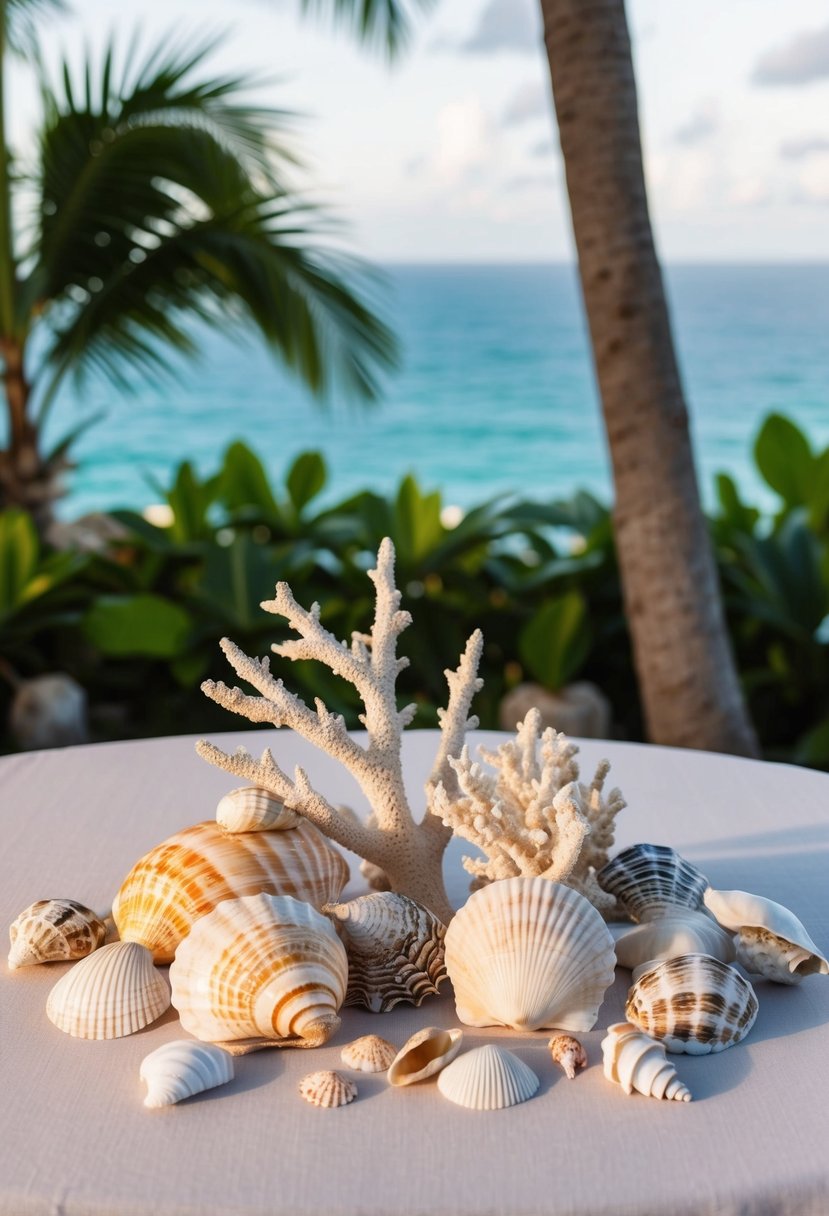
452	154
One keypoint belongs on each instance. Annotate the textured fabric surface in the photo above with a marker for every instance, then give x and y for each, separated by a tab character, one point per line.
76	1139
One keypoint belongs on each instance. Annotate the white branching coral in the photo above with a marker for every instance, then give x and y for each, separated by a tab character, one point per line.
409	852
532	816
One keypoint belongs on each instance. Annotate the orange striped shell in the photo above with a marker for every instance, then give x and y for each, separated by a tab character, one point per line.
187	875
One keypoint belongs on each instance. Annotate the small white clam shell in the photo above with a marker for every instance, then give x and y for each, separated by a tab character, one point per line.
112	993
54	930
369	1054
250	809
488	1078
181	1068
424	1054
693	1003
638	1063
328	1089
771	941
684	932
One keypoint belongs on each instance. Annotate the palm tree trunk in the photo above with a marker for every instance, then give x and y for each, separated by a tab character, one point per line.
686	671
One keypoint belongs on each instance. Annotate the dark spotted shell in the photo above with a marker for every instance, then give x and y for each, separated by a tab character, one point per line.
650	880
693	1003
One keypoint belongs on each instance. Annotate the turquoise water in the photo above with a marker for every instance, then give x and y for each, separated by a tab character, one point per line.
495	392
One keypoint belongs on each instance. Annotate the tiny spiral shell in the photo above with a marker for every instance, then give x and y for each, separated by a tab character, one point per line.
327	1089
568	1053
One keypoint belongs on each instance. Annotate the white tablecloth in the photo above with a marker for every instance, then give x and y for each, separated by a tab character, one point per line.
76	1139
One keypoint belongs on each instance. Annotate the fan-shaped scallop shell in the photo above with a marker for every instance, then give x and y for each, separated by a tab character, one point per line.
250	809
185	877
112	993
181	1068
531	954
488	1078
568	1053
53	930
652	880
693	1003
424	1054
771	941
369	1054
682	932
395	949
263	967
328	1089
638	1063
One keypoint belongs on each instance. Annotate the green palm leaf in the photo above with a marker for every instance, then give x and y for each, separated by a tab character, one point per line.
22	17
385	23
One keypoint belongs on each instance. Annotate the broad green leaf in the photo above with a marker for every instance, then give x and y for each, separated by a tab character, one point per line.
236	579
243	481
813	747
138	625
785	459
19	553
417	525
819	496
556	641
735	512
305	478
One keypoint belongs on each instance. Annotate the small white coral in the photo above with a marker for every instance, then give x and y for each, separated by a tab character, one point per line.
532	817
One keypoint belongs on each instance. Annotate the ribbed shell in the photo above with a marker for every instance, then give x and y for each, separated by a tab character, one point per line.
112	993
424	1054
531	954
568	1053
250	809
328	1089
771	941
54	930
693	1003
181	1068
652	880
262	967
369	1054
638	1063
683	932
395	950
185	877
487	1078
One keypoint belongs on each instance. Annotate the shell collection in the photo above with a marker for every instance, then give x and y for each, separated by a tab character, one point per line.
182	1068
54	930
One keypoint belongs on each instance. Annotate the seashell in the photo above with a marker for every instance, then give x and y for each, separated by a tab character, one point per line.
54	930
395	949
185	877
251	809
693	1003
424	1054
568	1053
488	1078
112	993
771	941
637	1062
264	967
652	880
327	1089
683	932
369	1054
182	1068
531	954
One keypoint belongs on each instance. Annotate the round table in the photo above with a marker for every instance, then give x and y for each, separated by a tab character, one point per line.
75	1138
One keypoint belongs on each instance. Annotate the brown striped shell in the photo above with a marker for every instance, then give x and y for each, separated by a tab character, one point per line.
327	1089
187	875
693	1003
54	930
369	1053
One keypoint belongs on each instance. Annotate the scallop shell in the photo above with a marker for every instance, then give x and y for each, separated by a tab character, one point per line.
531	954
424	1054
395	949
185	877
771	941
568	1053
112	993
53	930
684	932
693	1003
250	809
369	1054
652	880
181	1068
638	1063
488	1078
327	1089
263	967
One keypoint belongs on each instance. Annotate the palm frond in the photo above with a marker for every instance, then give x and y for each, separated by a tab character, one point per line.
22	18
386	24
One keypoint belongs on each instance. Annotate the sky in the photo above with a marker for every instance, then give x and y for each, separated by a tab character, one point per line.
451	153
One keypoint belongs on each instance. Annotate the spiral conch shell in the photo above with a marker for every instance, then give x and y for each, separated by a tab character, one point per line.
182	1068
652	880
488	1078
112	993
54	930
771	941
693	1003
638	1063
568	1053
683	932
251	809
531	954
258	971
395	949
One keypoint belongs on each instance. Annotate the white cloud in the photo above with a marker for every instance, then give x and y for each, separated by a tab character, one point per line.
465	141
795	149
506	25
813	181
801	60
533	100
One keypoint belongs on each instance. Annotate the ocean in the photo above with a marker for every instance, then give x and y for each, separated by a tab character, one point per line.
495	392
